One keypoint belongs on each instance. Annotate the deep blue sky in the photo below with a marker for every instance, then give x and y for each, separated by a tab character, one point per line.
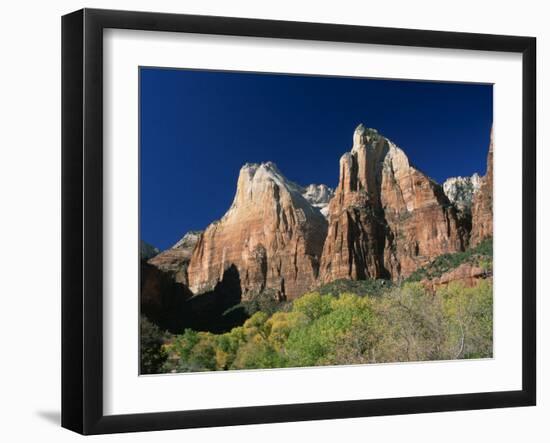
197	128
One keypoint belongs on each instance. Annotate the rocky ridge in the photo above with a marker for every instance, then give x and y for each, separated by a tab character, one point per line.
175	260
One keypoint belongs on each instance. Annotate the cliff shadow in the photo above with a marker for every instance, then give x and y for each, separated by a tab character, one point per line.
211	311
162	300
379	231
173	307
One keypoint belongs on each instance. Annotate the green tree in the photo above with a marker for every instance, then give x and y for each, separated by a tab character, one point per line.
331	319
313	305
469	316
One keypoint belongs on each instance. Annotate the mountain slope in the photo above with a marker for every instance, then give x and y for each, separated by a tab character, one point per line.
271	234
176	259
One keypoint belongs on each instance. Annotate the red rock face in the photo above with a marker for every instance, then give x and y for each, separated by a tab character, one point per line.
465	274
386	218
482	207
271	234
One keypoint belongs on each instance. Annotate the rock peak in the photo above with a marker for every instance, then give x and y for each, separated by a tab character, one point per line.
253	167
386	218
254	172
271	234
190	237
363	136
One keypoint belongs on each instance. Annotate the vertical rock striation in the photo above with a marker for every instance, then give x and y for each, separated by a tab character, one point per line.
271	234
482	207
386	217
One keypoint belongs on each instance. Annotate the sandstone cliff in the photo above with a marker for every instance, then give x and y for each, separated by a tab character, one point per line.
482	207
467	274
386	217
271	234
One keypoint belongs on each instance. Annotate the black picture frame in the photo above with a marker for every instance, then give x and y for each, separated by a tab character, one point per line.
82	218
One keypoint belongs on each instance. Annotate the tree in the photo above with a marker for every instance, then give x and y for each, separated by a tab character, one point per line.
152	353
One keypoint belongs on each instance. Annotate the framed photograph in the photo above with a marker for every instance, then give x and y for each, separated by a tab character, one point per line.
269	221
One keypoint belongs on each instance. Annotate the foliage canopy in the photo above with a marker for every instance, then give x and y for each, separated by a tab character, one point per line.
405	323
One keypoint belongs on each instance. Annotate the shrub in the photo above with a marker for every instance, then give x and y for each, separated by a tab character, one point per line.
316	342
481	255
360	287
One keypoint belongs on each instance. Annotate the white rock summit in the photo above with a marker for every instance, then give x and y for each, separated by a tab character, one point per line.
319	196
189	240
461	190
